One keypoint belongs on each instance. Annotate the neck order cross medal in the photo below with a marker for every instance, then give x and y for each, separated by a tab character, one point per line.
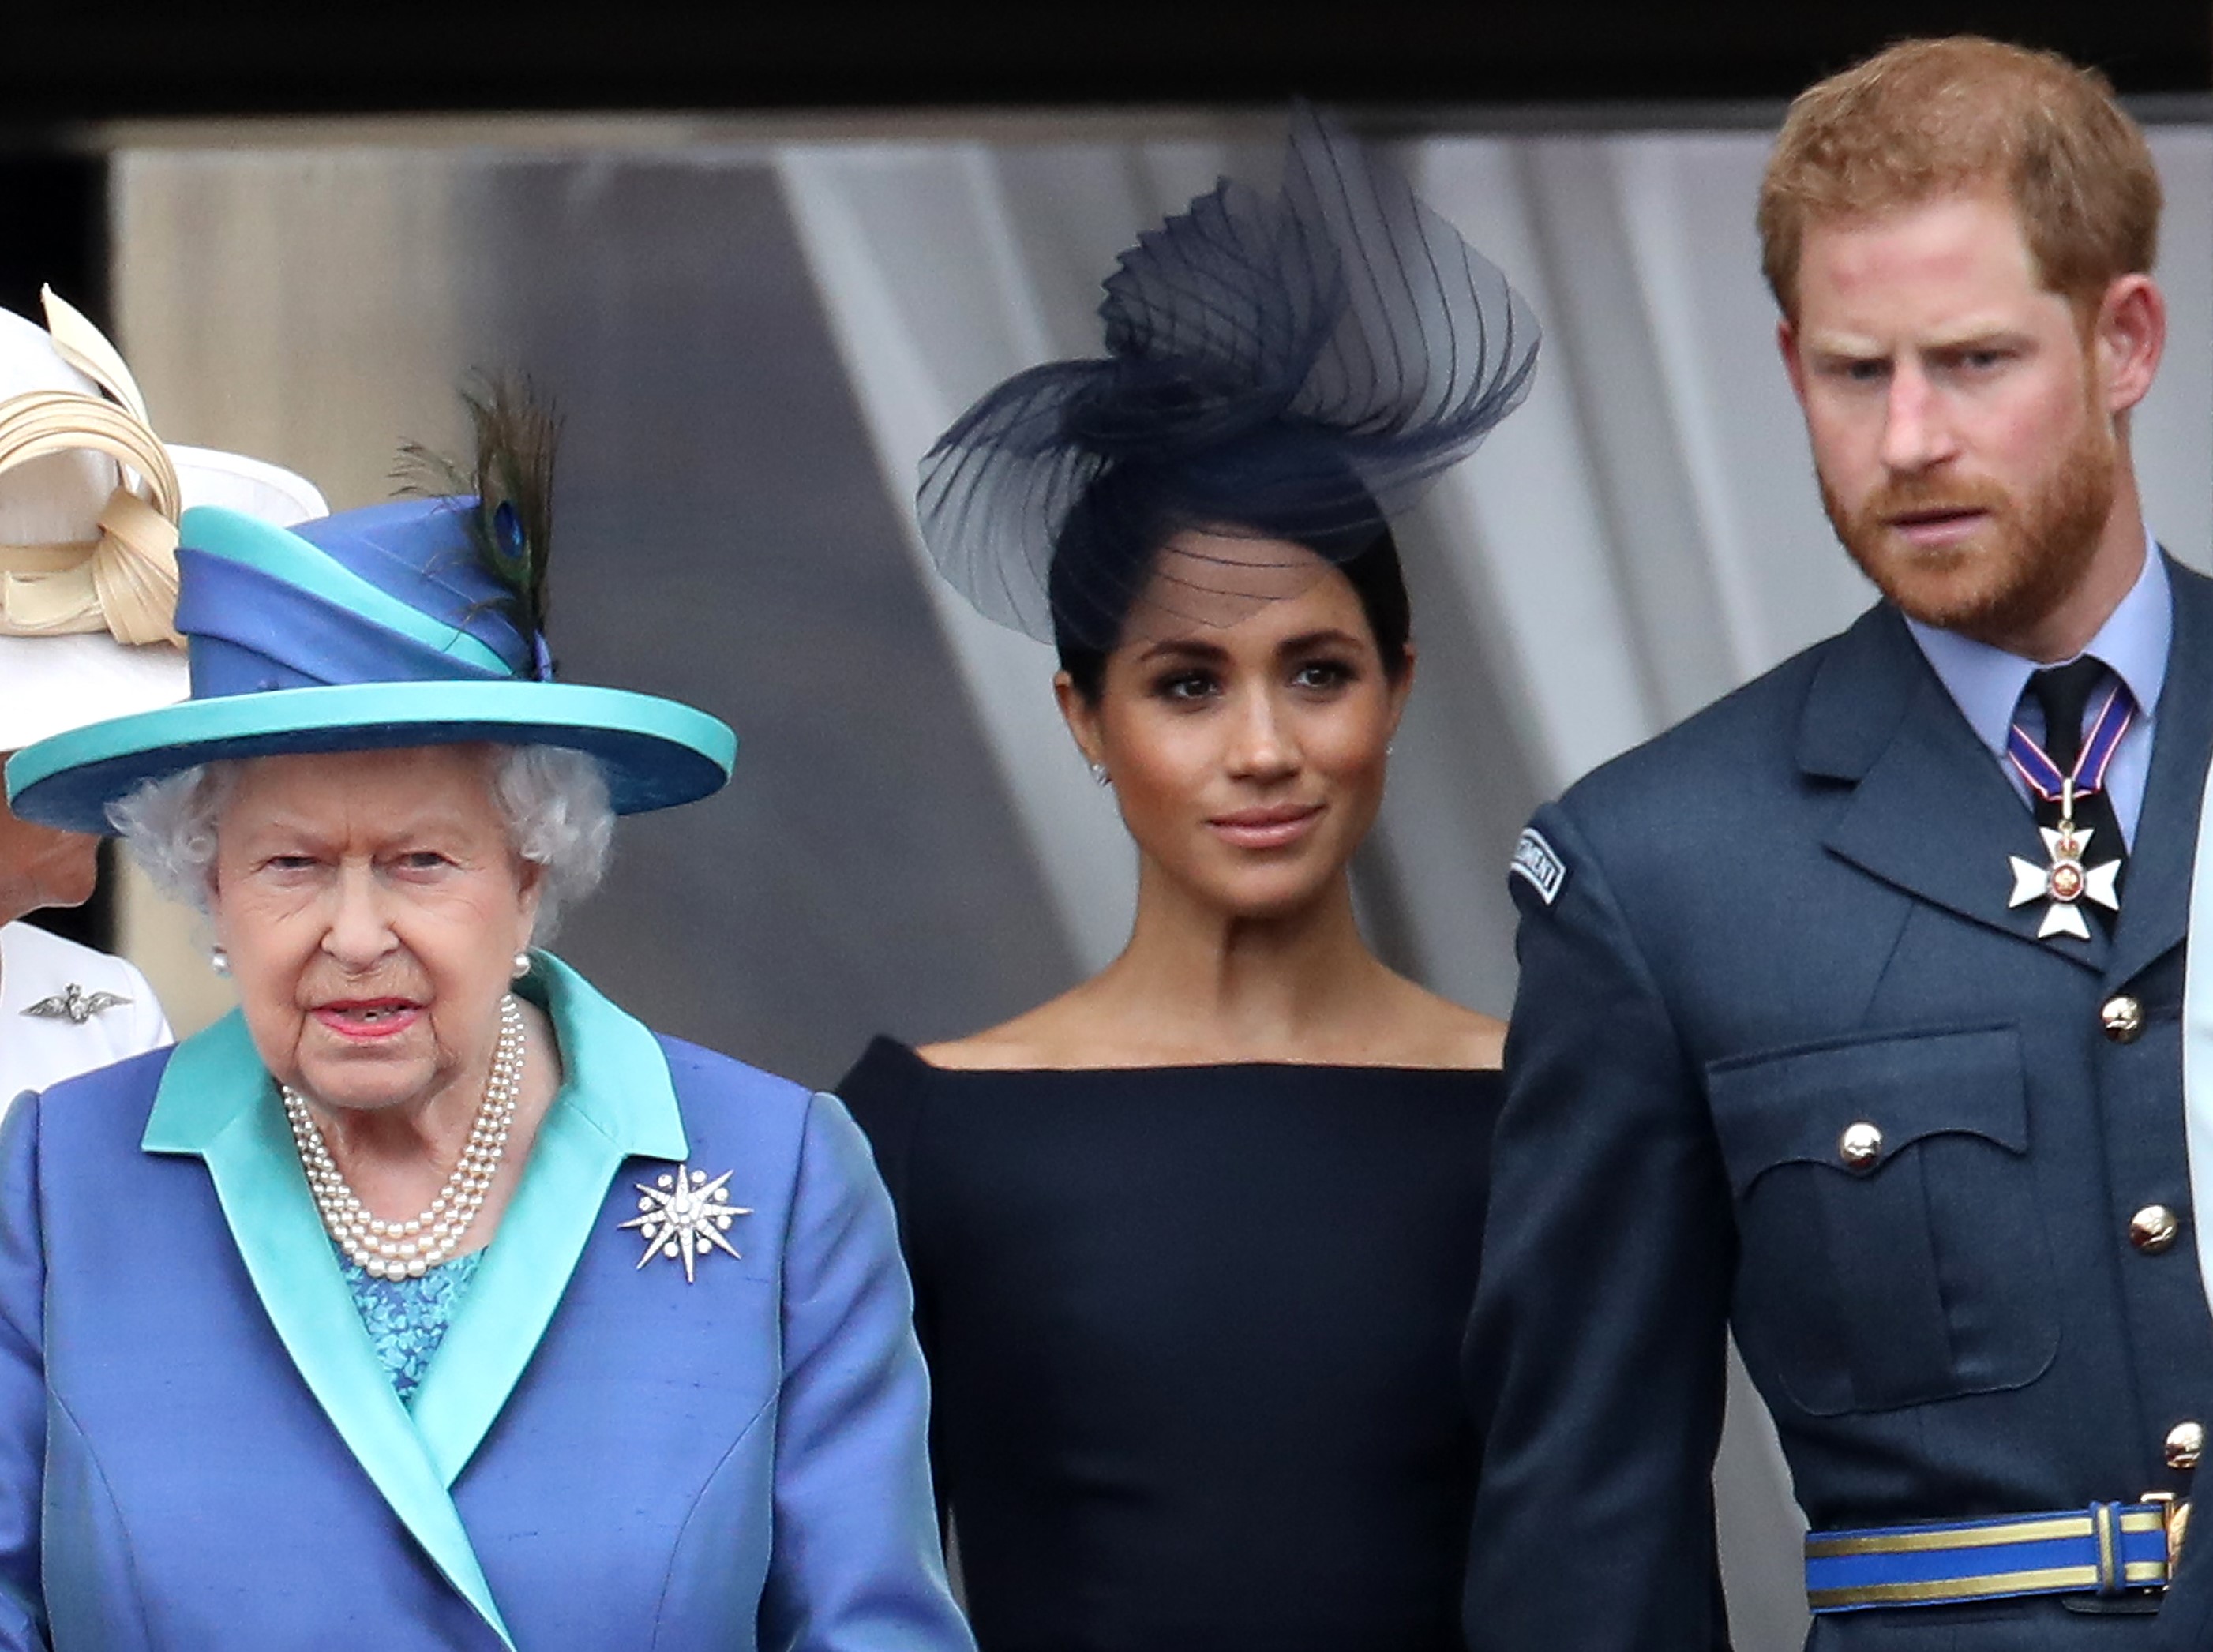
2068	882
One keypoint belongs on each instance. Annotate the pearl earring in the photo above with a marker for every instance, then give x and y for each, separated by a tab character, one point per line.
218	960
1100	776
520	965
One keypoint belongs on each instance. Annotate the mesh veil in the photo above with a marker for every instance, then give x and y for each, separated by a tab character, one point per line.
1294	368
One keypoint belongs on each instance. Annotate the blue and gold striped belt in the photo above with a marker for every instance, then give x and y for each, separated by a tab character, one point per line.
2110	1548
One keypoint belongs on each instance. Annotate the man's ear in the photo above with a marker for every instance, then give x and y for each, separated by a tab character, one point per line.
2128	336
1786	340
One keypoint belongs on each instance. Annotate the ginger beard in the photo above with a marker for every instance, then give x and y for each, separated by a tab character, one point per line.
2031	554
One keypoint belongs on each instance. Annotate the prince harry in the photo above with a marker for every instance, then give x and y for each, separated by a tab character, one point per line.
1850	1021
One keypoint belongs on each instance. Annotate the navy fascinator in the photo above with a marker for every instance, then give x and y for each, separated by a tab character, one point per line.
1297	368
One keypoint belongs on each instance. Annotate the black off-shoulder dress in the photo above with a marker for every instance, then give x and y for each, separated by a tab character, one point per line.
1194	1337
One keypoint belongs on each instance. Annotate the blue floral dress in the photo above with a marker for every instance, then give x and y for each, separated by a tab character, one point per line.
407	1319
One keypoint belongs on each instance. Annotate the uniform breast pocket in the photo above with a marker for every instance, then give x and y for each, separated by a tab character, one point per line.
1892	1252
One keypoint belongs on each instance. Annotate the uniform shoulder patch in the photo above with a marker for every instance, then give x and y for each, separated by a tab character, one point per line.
1537	860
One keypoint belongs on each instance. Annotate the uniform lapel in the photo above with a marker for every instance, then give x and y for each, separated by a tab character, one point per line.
616	1101
216	1101
1930	811
2155	899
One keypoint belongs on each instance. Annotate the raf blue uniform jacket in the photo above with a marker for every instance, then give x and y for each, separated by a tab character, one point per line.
1782	918
199	1448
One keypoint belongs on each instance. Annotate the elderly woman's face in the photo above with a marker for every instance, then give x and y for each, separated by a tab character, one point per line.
371	906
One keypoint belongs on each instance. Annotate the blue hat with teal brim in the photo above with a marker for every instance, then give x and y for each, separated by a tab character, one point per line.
367	631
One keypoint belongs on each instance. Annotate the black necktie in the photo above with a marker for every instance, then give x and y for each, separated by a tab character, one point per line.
2065	692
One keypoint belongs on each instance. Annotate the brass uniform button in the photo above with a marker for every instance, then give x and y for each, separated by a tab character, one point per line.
2184	1441
2153	1228
2122	1017
1860	1146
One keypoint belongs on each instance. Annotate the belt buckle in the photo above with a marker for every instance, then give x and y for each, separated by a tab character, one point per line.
2174	1521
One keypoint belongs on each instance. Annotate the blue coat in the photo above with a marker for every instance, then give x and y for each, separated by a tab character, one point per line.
1784	918
199	1447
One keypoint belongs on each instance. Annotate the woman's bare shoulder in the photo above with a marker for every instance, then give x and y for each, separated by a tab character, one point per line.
1435	1032
1054	1034
1402	1025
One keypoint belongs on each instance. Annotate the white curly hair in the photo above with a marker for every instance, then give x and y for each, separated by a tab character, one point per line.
553	800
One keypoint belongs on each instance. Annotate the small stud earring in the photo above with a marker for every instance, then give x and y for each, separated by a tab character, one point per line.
520	965
218	960
1100	776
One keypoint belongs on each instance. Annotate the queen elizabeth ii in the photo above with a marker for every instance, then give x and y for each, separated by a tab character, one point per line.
430	1299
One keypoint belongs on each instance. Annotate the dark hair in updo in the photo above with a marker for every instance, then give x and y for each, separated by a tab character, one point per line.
1299	492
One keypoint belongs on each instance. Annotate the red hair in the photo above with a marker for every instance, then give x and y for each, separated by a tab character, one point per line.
1925	119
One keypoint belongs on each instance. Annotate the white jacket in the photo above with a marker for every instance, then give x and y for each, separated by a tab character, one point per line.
37	1049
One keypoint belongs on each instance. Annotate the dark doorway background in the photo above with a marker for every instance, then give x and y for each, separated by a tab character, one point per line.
103	62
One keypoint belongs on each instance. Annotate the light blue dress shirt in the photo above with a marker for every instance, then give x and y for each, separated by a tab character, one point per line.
1986	684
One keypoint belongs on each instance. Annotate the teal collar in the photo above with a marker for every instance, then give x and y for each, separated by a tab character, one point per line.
616	1102
215	1102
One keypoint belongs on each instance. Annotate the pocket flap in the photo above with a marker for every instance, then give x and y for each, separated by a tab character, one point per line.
1795	1106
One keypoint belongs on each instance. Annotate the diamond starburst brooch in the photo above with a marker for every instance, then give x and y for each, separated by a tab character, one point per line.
684	1214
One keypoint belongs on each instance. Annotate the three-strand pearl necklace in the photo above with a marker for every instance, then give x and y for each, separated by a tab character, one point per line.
409	1249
